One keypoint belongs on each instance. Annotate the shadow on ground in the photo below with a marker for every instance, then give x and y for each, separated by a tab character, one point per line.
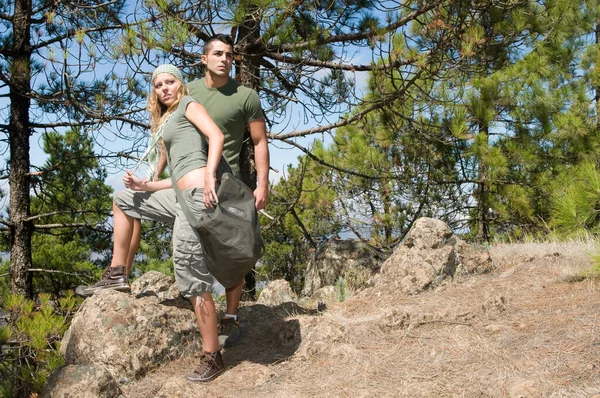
268	335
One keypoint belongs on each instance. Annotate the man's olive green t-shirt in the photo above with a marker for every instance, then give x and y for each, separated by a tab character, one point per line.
231	107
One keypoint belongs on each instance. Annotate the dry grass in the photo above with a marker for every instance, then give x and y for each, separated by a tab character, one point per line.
521	331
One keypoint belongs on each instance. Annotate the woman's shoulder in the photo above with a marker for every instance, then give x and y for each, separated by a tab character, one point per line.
185	101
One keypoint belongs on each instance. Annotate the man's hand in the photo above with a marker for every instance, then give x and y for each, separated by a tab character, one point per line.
261	196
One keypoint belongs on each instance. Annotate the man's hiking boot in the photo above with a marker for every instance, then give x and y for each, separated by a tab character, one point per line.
114	278
211	365
229	332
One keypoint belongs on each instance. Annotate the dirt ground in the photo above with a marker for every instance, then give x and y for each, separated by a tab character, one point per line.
527	329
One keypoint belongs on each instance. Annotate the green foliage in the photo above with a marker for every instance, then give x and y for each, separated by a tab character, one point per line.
62	265
30	338
155	252
71	194
576	201
594	272
356	278
305	215
340	289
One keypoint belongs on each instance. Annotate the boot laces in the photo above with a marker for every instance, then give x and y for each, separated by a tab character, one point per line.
207	361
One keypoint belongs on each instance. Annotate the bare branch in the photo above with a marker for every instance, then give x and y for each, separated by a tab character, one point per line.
340	66
303	228
80	5
61	225
324	163
39	216
342	122
54	271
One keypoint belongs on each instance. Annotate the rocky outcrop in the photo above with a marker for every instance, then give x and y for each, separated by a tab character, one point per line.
129	335
82	381
116	338
430	255
335	258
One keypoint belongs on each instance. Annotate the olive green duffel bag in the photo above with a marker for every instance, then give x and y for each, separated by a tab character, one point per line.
230	233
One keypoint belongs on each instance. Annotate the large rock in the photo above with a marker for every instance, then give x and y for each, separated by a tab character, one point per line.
276	293
154	283
128	335
335	258
429	255
164	288
82	381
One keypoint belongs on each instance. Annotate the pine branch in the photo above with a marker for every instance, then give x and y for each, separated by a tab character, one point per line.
70	33
276	71
349	224
357	36
332	166
283	16
278	95
292	204
303	228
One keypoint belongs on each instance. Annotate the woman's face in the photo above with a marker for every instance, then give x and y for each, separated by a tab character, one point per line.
165	86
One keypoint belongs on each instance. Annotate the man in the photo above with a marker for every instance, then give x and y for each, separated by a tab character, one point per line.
232	107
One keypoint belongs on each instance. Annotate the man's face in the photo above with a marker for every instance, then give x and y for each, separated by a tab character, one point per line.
219	59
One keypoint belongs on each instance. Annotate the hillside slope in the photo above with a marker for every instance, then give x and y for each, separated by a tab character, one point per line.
522	330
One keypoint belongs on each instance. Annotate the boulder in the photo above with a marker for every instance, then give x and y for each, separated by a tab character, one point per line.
429	255
335	258
154	283
161	286
82	381
276	293
128	335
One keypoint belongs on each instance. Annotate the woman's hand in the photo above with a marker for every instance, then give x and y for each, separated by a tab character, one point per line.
133	182
210	190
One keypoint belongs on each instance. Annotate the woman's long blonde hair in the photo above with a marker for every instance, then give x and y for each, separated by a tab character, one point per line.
158	111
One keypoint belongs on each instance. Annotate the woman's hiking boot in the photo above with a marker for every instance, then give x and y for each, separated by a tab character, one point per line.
211	365
229	332
114	278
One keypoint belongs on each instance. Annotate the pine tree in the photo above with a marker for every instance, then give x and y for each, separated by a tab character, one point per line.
296	53
71	205
48	60
550	125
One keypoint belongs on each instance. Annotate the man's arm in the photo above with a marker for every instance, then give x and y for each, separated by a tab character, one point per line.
258	134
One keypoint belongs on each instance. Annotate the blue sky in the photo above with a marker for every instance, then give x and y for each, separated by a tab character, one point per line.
282	155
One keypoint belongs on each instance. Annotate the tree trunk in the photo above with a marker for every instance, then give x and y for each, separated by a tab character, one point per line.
19	132
596	88
247	73
483	206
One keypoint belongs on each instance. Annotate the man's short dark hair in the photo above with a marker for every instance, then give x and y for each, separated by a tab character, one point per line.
219	37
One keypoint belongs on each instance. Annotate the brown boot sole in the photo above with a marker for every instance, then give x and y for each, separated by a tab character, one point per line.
81	290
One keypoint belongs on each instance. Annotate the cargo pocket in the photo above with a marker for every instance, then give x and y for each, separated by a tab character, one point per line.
191	272
193	207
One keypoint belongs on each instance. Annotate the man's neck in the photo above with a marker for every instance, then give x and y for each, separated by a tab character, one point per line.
213	81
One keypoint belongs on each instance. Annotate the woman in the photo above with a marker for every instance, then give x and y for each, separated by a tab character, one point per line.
185	127
156	165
